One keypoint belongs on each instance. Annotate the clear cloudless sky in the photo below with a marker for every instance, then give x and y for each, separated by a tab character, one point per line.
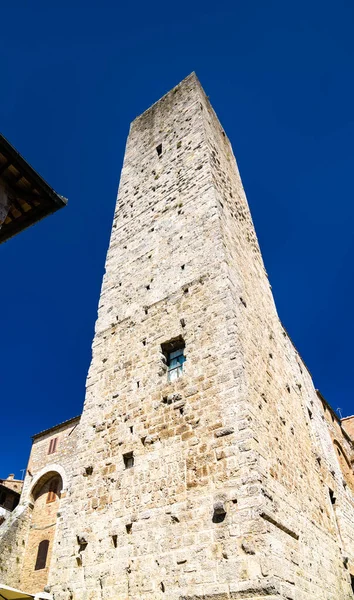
74	74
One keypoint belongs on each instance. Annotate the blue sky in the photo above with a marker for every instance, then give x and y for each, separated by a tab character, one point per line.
74	74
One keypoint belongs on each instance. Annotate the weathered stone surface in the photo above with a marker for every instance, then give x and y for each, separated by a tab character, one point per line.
243	426
224	431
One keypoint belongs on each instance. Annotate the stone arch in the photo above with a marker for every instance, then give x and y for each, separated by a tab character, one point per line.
44	496
43	476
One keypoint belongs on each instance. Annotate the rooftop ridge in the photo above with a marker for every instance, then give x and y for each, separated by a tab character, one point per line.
56	426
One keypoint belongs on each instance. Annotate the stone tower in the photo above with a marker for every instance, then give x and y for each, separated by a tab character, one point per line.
205	466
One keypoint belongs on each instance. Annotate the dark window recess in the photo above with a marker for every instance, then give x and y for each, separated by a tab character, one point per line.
219	512
159	150
53	491
174	352
115	540
129	527
128	460
352	582
3	497
219	517
2	520
42	555
53	445
332	497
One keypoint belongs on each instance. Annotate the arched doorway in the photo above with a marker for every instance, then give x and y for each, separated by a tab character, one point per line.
45	496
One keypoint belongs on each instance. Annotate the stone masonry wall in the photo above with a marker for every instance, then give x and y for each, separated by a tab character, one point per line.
34	520
241	484
348	424
299	542
12	484
242	431
13	536
151	530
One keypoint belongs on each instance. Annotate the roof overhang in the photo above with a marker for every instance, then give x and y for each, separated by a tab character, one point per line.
12	594
30	198
8	593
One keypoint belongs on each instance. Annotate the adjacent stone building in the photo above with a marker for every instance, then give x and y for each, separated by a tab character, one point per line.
10	492
30	531
205	465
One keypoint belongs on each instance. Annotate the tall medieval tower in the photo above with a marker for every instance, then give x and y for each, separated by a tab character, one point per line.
205	468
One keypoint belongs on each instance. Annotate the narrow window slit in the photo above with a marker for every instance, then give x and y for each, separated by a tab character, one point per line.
159	150
128	459
42	553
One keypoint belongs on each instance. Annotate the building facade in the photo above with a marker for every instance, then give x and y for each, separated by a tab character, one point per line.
10	492
205	465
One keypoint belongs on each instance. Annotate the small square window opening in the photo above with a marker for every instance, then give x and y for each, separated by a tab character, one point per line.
128	460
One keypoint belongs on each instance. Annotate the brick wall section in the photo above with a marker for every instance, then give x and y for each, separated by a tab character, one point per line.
43	527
